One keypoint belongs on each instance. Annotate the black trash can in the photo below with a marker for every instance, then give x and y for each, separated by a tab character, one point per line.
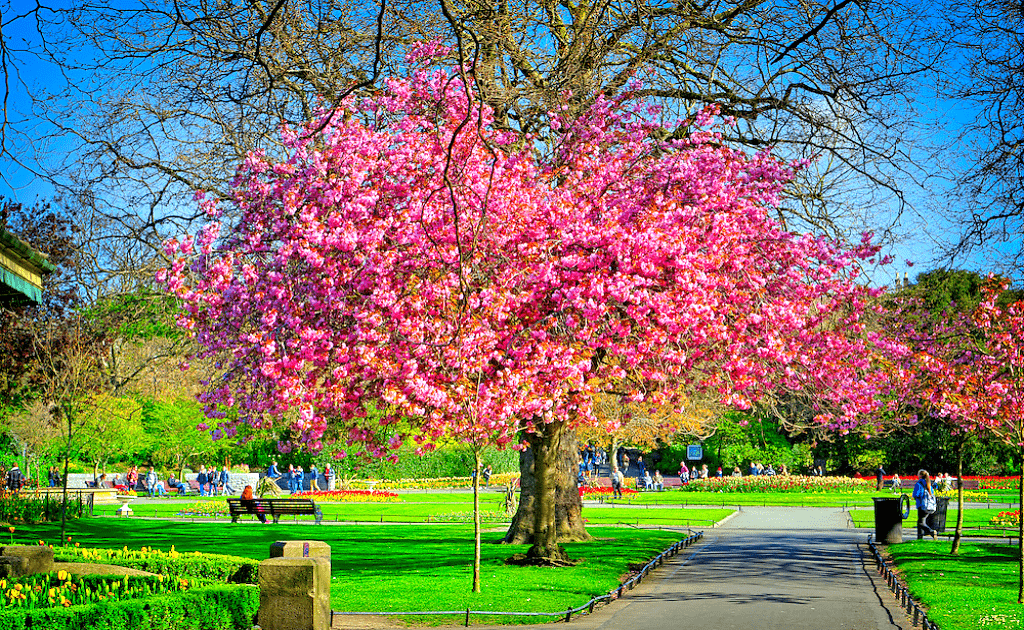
939	518
889	515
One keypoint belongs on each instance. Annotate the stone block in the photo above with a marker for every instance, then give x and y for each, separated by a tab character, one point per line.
10	566
34	558
300	549
295	594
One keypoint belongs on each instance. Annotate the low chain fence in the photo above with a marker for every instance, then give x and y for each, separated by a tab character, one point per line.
900	591
567	614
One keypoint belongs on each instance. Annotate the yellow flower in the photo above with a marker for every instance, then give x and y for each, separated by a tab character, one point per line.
52	592
62	575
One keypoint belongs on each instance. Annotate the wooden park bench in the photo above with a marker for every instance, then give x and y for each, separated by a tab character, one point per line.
274	507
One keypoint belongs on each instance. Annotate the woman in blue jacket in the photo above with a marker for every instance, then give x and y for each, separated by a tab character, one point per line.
924	496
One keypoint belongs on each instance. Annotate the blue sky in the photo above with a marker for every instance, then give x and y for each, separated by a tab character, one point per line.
924	229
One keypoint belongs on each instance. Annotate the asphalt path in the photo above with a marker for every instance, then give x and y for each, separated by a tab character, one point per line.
765	568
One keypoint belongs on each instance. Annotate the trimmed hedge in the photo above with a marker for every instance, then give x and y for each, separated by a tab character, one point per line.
222	607
193	565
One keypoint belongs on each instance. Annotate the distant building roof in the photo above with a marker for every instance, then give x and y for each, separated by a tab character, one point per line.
21	270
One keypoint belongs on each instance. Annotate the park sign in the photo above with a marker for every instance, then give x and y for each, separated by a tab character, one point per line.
694	452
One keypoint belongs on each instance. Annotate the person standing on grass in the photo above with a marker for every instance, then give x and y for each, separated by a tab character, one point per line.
299	476
314	483
329	477
879	475
924	496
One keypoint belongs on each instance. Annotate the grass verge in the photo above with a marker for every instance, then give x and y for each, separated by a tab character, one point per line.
975	590
396	568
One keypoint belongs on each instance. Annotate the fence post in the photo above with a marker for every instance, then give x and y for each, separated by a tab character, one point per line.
467	617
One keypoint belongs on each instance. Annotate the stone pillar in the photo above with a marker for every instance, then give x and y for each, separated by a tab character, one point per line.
300	549
34	558
295	591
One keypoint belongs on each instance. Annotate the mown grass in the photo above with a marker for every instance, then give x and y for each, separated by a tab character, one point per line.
399	568
441	511
976	522
974	590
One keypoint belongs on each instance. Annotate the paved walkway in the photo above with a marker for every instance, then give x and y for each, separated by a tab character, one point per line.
767	568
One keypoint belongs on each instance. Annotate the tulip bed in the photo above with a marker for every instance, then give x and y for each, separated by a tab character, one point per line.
350	496
439	483
64	589
194	565
791	484
592	494
60	600
1008	518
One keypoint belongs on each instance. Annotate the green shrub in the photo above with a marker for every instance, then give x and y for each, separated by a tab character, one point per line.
193	565
222	607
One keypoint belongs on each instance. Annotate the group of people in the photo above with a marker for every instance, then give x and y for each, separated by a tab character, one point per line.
687	474
213	482
296	477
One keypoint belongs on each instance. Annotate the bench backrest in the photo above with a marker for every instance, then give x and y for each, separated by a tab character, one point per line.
274	506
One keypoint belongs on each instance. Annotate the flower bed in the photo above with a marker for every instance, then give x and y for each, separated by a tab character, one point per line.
49	590
205	508
1009	518
351	496
192	565
502	479
590	492
997	483
976	496
57	601
780	483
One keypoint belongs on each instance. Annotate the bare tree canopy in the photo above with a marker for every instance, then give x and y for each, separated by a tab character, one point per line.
990	36
159	99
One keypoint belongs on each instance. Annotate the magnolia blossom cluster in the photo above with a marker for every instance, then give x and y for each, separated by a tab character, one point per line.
473	284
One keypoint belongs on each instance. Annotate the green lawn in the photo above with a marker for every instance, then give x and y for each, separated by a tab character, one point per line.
398	568
413	510
975	590
976	521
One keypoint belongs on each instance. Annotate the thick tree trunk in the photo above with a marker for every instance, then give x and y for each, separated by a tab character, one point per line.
556	503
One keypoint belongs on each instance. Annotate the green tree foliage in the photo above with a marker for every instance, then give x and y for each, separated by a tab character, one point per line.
171	425
741	438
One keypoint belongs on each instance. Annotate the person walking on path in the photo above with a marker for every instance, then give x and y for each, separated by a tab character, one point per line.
225	480
617	478
924	496
879	475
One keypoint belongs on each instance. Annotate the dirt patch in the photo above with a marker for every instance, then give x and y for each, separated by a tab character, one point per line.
88	568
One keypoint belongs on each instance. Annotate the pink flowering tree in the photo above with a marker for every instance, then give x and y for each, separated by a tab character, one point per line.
475	284
973	374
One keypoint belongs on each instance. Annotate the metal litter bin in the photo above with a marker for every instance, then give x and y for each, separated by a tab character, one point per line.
939	518
889	515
